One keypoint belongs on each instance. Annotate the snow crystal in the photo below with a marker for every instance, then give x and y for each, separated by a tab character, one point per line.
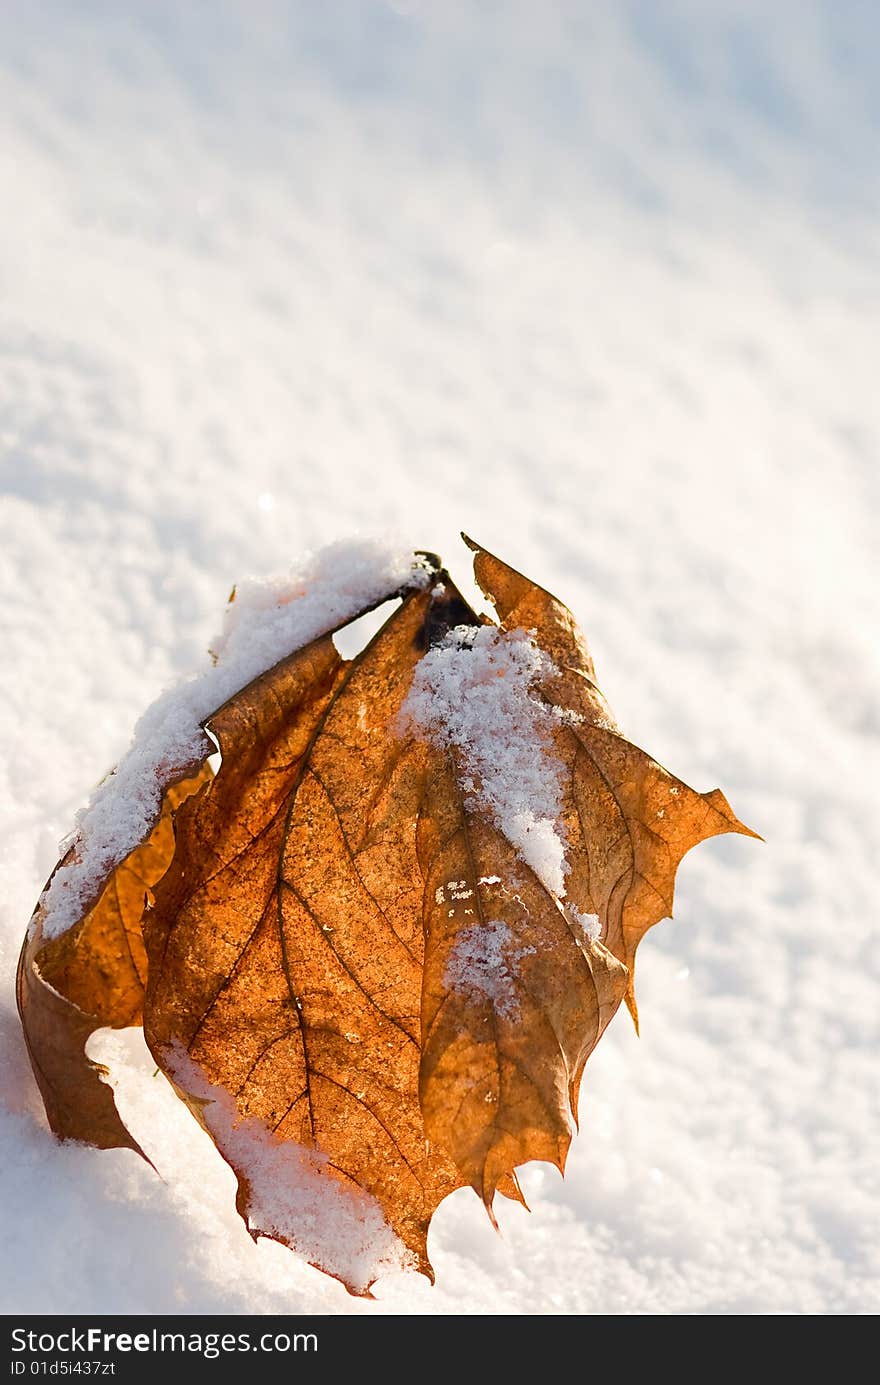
293	1194
482	965
472	694
268	619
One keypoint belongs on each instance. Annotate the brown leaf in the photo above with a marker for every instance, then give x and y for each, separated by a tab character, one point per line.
361	989
92	976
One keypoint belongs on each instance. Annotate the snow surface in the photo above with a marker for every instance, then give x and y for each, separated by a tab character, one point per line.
598	284
268	619
472	694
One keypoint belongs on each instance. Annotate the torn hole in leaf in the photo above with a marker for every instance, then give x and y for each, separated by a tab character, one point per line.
215	759
352	638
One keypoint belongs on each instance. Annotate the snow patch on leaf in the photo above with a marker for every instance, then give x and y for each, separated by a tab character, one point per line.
483	966
588	923
264	622
292	1193
472	694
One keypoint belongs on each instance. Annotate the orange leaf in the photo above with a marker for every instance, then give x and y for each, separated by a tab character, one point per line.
388	934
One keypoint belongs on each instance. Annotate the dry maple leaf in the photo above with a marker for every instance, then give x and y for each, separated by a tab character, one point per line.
391	929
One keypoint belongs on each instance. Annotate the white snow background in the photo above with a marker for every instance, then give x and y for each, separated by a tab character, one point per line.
597	283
